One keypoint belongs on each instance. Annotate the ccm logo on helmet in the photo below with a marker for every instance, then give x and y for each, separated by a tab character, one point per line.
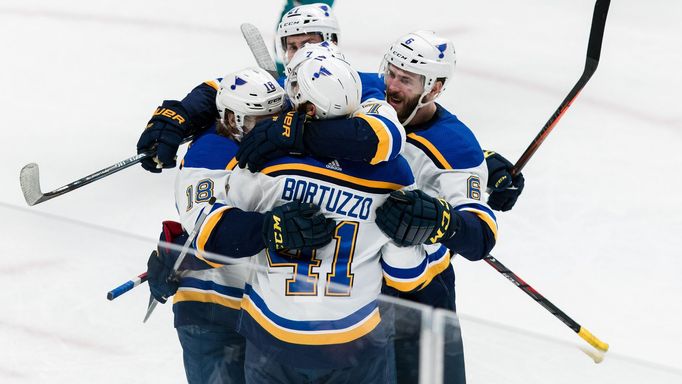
400	55
288	119
169	114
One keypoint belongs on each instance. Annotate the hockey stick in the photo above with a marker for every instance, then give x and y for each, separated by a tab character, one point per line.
601	9
260	51
29	178
127	286
185	248
559	314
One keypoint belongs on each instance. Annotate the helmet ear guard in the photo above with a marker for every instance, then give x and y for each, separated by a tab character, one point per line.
426	54
248	92
311	18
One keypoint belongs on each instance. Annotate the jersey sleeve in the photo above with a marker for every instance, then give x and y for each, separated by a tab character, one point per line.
412	268
383	120
372	135
204	174
200	104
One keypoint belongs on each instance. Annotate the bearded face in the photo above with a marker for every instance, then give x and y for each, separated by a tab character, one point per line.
403	90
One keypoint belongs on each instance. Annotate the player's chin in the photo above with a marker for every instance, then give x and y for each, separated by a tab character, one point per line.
398	105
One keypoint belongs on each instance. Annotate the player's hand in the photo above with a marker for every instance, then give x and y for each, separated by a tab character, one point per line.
504	189
163	135
413	217
296	226
271	139
160	276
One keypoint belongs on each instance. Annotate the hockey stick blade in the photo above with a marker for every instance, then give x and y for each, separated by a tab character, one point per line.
601	9
254	39
29	178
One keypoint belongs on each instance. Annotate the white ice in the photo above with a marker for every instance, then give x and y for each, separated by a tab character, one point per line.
597	229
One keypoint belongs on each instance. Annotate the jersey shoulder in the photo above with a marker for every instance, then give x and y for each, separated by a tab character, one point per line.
211	151
372	86
447	141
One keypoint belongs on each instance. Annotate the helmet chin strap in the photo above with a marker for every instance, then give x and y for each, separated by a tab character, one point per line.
417	108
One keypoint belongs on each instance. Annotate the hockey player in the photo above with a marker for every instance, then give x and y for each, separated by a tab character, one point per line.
207	301
358	141
291	4
314	316
448	164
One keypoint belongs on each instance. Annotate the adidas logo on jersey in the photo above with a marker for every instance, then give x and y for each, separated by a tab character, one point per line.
334	164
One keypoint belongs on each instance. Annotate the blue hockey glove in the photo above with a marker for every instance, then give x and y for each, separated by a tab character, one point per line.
413	217
297	226
271	139
162	281
504	190
163	135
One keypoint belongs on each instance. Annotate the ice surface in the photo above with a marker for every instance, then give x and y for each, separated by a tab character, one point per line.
595	230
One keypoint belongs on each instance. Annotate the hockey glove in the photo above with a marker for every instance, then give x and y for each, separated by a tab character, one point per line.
413	217
271	139
163	135
504	189
161	278
296	226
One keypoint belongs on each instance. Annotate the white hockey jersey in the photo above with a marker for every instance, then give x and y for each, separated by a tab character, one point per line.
320	309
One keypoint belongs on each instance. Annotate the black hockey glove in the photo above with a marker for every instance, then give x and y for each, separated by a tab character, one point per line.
413	217
296	226
162	281
271	139
504	190
163	135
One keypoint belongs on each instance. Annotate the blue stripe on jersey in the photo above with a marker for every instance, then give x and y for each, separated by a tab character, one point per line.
208	285
479	207
210	151
451	138
411	273
318	325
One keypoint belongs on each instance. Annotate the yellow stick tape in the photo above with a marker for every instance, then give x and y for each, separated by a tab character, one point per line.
593	340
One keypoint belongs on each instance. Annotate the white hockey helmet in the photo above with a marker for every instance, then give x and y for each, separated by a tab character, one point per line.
328	83
423	53
310	18
249	92
311	51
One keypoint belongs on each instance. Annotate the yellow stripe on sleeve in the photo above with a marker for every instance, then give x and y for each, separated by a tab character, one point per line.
486	218
231	164
212	84
432	148
205	233
422	281
384	137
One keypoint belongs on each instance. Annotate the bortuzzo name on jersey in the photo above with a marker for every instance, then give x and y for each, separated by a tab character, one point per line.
331	199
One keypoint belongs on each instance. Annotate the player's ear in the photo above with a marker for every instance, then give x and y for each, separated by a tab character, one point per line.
435	91
311	110
231	121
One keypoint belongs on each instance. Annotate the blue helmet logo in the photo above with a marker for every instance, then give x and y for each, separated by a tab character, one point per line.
237	82
325	9
323	71
442	49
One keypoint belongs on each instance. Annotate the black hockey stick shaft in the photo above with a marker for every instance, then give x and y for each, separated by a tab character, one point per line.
601	9
29	178
553	309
